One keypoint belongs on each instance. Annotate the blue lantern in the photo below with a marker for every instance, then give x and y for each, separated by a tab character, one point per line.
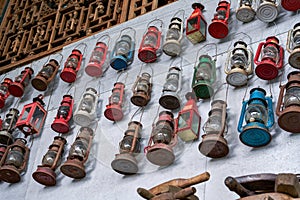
123	52
259	119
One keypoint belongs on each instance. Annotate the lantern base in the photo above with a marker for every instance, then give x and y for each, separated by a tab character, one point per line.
125	163
213	146
39	83
172	48
147	55
140	99
237	77
255	135
93	69
169	100
9	174
267	12
160	154
289	120
113	113
119	63
290	5
16	89
81	118
218	29
45	176
68	75
60	126
203	90
294	59
73	168
245	13
266	71
6	138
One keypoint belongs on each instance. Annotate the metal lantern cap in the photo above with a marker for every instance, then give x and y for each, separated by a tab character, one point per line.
240	42
272	39
198	5
258	93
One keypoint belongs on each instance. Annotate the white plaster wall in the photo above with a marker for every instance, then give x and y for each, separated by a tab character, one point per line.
101	182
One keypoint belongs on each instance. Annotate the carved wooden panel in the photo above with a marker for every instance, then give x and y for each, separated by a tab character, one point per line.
35	28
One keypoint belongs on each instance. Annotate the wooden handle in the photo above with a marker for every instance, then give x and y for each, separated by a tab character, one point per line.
145	193
184	193
235	186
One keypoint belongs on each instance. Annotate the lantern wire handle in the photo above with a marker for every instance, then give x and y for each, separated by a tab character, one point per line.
180	63
85	47
133	30
60	58
122	72
216	52
179	11
154	20
71	86
104	36
3	77
140	109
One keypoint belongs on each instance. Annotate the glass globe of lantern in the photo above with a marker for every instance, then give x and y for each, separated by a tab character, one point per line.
245	12
4	92
290	5
8	126
172	44
267	10
18	86
293	46
142	90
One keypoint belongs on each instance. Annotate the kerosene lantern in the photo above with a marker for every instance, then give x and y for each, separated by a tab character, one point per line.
172	44
18	86
196	25
64	115
85	113
213	143
45	76
32	117
288	110
204	77
3	148
294	46
267	10
14	161
163	138
170	98
98	58
113	110
259	118
245	11
4	93
189	120
142	90
123	52
72	66
239	65
125	162
150	48
45	173
8	127
271	58
219	26
290	5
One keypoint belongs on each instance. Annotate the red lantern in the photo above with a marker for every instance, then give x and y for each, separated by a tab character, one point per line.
189	120
290	5
97	59
271	58
32	117
2	150
196	25
219	26
4	93
113	110
72	66
18	86
150	48
64	115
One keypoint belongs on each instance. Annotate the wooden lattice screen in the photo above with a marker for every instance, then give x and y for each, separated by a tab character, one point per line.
34	28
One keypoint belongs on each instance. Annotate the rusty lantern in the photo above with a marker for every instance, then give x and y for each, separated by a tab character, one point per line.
18	86
4	92
113	110
239	66
142	90
245	11
288	110
163	138
32	117
45	173
213	143
125	162
8	126
45	76
293	46
14	161
290	5
219	26
267	10
196	25
72	66
3	148
272	56
189	120
150	48
64	115
78	154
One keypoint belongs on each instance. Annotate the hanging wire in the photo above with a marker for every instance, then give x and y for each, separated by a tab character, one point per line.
85	46
122	72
